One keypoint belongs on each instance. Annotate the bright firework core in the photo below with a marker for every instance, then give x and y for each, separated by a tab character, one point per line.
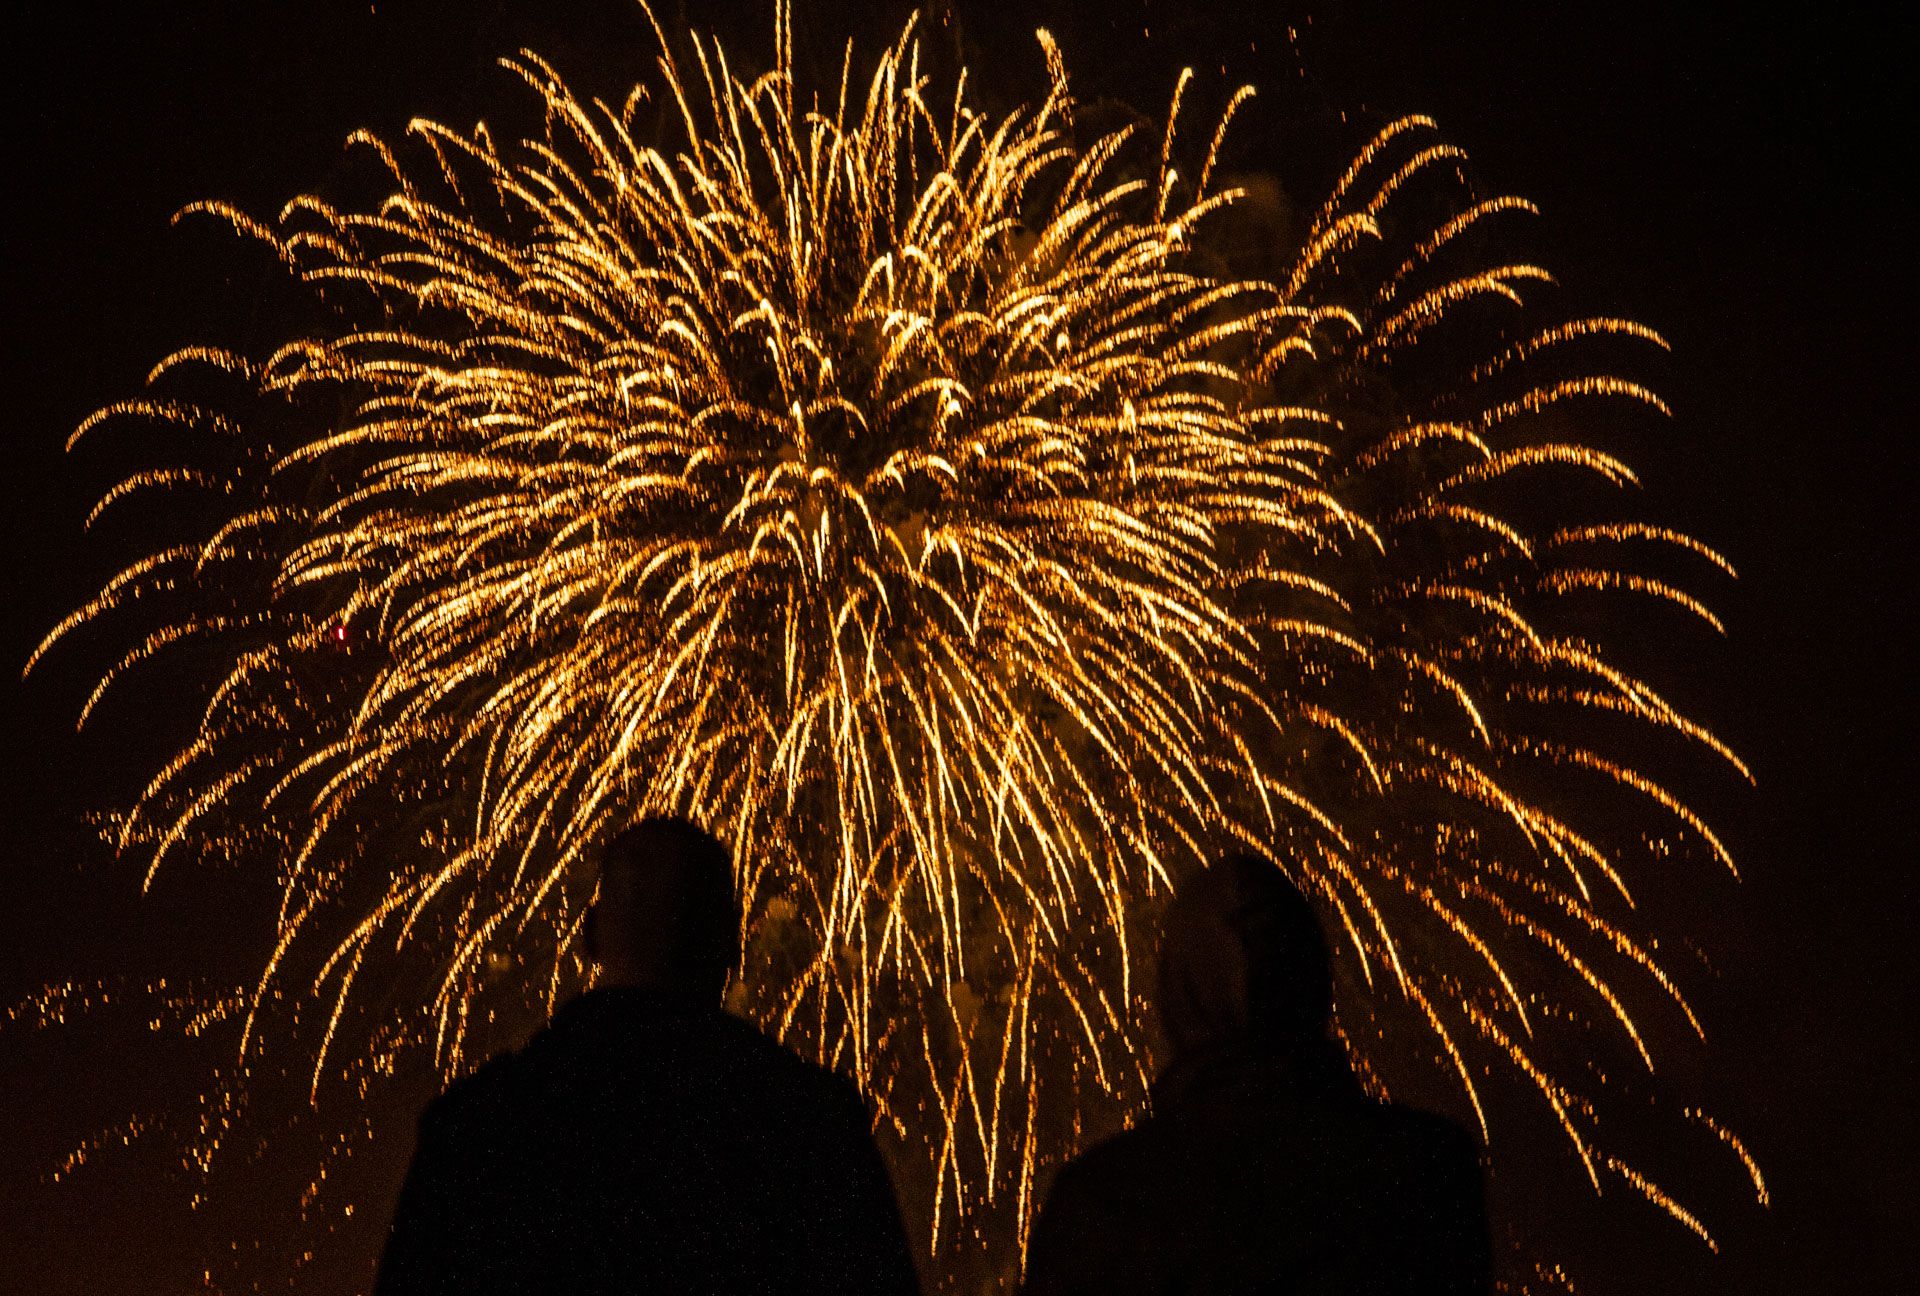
912	495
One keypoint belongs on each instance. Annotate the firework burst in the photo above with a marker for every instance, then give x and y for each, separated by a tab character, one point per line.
907	492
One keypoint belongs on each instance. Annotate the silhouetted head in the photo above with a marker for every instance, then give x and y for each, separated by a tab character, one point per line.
666	917
1242	959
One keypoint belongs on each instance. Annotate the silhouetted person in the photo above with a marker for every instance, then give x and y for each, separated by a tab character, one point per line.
646	1140
1264	1167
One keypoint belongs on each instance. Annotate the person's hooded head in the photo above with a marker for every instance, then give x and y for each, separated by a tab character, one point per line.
665	917
1243	963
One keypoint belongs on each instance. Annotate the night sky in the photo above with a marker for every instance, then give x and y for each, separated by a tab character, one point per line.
1731	185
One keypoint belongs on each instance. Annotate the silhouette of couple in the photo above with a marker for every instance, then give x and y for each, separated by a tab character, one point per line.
647	1141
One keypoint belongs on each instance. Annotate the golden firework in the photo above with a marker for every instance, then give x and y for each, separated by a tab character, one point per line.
907	493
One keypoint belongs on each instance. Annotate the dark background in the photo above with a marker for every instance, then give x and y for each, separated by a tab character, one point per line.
1731	183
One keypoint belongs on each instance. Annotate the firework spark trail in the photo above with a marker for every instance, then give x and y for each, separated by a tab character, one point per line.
891	486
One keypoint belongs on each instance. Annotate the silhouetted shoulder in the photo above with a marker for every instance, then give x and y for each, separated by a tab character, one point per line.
642	1142
1242	1192
1095	1232
448	1207
814	1105
478	1095
1422	1127
1436	1137
1105	1172
744	1039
